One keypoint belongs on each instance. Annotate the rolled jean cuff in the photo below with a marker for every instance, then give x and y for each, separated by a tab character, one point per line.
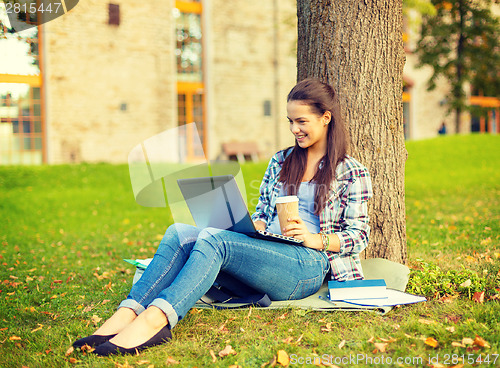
169	311
132	304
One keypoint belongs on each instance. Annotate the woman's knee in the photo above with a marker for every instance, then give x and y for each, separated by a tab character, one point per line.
179	236
211	238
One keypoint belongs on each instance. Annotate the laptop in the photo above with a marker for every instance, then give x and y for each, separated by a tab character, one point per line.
216	201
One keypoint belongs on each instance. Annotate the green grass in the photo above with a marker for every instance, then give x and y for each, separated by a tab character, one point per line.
65	230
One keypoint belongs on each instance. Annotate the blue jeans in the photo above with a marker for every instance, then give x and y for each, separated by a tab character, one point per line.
189	259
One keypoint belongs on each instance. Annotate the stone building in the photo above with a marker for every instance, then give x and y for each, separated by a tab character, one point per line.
114	74
95	82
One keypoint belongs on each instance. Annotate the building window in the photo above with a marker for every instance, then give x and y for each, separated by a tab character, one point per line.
190	86
22	132
114	14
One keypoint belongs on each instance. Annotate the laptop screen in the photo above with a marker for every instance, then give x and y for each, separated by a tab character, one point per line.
216	202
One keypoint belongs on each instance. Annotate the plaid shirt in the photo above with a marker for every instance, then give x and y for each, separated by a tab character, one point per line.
345	213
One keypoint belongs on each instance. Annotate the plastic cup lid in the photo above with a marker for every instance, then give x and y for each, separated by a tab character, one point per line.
287	199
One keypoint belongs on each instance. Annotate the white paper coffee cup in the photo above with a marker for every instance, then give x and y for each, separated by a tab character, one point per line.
287	206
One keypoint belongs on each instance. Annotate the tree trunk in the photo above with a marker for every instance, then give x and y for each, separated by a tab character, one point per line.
356	46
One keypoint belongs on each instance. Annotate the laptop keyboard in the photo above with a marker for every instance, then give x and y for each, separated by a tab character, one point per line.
279	236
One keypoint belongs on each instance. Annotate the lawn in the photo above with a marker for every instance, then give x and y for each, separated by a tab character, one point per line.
67	228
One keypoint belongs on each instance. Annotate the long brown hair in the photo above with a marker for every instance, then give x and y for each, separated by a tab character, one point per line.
320	97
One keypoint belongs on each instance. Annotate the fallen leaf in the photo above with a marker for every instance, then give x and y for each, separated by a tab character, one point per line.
288	340
212	354
371	339
342	344
327	328
451	329
228	350
486	241
426	321
466	283
73	360
96	319
431	342
478	297
283	316
467	341
87	348
457	344
40	326
14	338
271	363
283	358
390	339
448	298
69	351
124	365
381	346
235	366
171	360
141	362
479	341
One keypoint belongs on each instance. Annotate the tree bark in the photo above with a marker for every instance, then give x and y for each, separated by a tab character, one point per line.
356	46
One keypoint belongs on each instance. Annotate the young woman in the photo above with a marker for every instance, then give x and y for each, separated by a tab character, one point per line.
333	190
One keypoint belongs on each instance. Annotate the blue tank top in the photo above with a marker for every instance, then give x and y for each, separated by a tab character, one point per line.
306	209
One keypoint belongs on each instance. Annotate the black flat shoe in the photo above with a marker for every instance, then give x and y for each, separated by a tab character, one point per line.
93	340
108	348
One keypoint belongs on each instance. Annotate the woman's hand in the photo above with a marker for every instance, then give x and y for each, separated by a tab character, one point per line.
297	229
260	225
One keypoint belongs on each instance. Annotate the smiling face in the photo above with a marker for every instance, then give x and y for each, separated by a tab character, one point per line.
309	128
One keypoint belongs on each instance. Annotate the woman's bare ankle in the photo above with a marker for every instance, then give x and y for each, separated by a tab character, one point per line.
117	322
155	317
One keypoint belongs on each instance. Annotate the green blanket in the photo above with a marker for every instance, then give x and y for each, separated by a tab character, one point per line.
395	276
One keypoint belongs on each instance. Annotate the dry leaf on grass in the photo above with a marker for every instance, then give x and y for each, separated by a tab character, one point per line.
171	360
87	348
228	350
40	326
478	297
479	341
431	341
466	283
69	351
390	339
426	321
283	358
96	319
14	338
381	346
270	363
327	328
342	344
212	354
124	365
467	341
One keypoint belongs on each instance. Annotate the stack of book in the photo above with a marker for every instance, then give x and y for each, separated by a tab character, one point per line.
369	293
357	289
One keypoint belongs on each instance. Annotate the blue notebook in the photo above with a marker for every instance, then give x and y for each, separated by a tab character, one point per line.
357	289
